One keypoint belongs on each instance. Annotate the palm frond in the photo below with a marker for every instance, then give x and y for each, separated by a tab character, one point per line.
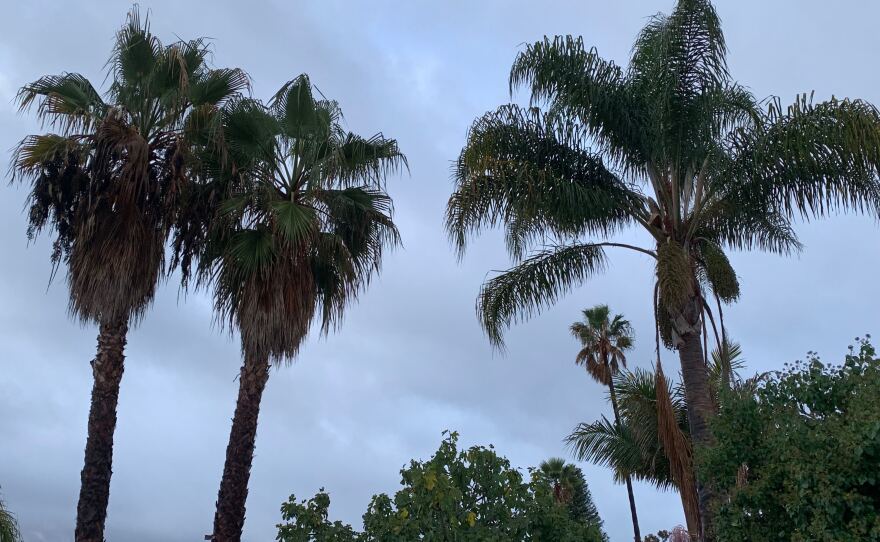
136	51
677	59
743	225
67	102
574	79
534	284
356	160
604	443
532	174
295	107
217	86
808	160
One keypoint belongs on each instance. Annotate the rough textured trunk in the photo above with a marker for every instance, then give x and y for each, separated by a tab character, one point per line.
94	492
695	375
229	516
629	487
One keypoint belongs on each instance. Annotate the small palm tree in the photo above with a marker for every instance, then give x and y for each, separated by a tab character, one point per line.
569	489
605	341
561	476
107	184
670	144
289	226
635	446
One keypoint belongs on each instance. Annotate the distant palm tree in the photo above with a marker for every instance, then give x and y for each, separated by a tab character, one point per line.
605	341
670	144
107	184
569	489
561	476
9	531
289	226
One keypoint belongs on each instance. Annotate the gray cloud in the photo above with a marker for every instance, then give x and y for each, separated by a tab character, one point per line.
410	359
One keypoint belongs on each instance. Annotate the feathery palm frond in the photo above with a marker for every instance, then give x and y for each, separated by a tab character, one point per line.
9	531
530	173
536	282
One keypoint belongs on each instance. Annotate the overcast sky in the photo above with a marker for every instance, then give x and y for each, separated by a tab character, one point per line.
410	359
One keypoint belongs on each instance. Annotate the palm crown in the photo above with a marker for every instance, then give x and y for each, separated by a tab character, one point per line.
108	182
605	341
303	218
670	143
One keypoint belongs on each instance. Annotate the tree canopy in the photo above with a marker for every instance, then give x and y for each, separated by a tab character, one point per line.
798	458
467	495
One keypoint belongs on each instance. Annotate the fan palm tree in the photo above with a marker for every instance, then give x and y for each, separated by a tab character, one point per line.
670	144
569	489
299	226
605	341
561	476
107	184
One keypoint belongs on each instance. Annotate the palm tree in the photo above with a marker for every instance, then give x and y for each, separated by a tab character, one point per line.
605	341
8	526
561	476
107	185
635	447
298	226
569	489
671	144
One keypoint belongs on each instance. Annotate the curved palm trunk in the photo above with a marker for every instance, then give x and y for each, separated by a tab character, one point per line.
629	488
229	516
695	376
94	492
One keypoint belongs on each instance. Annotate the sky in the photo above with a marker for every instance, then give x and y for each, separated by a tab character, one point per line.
410	359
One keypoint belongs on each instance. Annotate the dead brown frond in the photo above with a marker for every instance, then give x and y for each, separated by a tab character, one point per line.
677	448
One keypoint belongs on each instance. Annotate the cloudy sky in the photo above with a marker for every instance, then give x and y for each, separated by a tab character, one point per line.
410	359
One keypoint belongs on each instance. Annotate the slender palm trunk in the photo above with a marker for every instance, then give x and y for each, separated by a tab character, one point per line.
629	486
229	516
94	492
695	375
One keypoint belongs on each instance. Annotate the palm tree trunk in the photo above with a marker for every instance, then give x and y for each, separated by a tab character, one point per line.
94	492
699	401
629	487
229	516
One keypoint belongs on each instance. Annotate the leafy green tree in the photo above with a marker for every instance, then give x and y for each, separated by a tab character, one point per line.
9	531
797	459
472	494
289	224
672	144
605	341
467	495
106	184
307	521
